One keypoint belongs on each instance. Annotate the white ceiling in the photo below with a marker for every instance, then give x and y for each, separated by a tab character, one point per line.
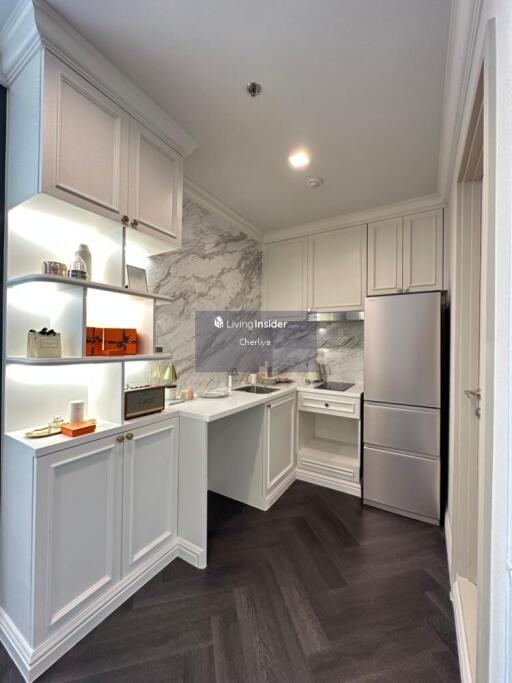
6	7
358	82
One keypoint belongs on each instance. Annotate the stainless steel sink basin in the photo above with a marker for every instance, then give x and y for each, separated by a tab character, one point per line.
255	389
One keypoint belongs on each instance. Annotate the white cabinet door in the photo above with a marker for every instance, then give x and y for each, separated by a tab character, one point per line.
280	441
385	256
85	143
150	492
77	530
337	269
285	275
155	186
423	251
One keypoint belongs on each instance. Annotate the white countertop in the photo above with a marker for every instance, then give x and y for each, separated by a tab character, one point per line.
202	409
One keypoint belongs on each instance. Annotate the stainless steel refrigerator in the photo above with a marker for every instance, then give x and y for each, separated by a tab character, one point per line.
404	411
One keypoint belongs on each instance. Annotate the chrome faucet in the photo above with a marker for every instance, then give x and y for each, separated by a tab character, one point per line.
233	373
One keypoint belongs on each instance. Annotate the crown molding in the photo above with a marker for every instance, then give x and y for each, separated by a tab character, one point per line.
19	39
34	25
425	203
208	201
464	24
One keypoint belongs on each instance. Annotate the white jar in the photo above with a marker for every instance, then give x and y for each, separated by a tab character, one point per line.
76	411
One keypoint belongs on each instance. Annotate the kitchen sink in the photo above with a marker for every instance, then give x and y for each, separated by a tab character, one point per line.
255	389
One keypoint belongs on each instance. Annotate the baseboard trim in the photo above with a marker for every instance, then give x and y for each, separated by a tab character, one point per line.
191	553
462	643
32	662
349	487
15	644
448	541
278	492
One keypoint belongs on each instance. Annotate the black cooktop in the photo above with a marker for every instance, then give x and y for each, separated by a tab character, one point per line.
334	386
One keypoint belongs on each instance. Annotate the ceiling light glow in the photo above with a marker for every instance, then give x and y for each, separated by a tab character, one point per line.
299	159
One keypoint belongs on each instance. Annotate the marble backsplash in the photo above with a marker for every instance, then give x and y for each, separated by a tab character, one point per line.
340	345
219	268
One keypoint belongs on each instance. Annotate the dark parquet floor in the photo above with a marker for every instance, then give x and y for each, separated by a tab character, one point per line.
319	589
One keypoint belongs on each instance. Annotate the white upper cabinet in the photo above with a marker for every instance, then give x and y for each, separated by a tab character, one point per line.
385	256
155	185
71	141
85	143
406	254
423	251
337	269
285	275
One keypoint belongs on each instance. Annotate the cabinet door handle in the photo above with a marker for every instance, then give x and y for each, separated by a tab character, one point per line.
326	405
120	438
125	220
269	405
129	436
134	223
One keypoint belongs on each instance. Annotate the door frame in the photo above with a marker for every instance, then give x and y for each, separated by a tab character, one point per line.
494	484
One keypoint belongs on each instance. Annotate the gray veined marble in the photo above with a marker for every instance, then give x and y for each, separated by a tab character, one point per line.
343	342
219	268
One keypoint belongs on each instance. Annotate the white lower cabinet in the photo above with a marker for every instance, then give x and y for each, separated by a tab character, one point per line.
103	510
329	441
150	492
279	442
77	537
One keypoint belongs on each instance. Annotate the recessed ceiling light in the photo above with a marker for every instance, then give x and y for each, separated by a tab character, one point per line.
299	159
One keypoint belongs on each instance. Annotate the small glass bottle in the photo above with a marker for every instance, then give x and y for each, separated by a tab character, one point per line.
78	269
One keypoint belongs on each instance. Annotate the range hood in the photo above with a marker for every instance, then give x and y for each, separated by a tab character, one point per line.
335	316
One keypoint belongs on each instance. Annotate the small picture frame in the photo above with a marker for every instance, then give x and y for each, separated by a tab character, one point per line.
136	278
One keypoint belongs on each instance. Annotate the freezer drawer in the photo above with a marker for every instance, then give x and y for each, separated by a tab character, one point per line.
402	428
402	349
402	483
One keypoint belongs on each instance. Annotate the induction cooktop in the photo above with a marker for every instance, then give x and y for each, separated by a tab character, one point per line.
334	386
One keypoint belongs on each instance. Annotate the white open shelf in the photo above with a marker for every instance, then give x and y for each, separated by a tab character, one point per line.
329	449
66	281
37	389
329	445
46	229
88	360
38	393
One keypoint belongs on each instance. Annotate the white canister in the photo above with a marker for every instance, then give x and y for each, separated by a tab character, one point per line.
76	411
253	378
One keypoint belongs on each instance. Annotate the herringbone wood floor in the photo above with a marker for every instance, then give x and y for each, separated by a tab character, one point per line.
318	589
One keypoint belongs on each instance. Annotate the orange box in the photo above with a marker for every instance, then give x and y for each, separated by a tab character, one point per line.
110	341
78	428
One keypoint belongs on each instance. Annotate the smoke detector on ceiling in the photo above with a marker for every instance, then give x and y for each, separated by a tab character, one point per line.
254	89
315	183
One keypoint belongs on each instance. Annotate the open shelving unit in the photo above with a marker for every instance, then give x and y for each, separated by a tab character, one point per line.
329	445
37	389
